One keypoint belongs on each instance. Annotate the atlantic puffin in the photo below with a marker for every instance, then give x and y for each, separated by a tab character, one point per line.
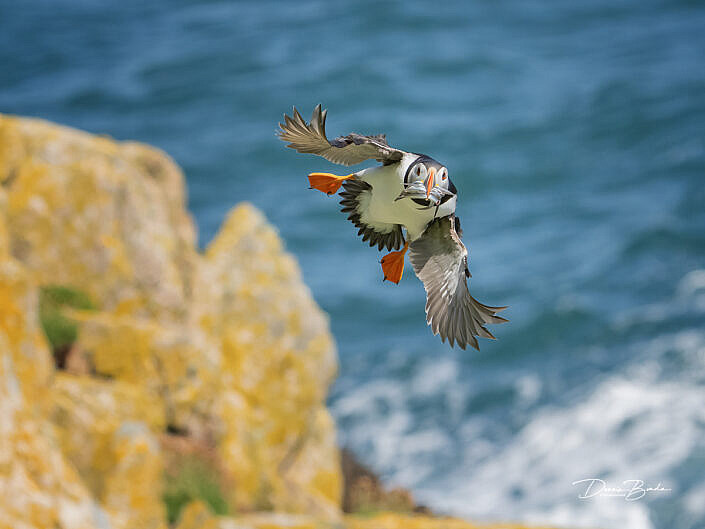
406	204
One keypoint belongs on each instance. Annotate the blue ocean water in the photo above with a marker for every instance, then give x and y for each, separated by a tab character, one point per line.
575	132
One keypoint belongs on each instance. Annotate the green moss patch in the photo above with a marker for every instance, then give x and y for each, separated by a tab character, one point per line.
192	480
61	331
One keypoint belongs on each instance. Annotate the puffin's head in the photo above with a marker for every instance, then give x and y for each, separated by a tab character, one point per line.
431	173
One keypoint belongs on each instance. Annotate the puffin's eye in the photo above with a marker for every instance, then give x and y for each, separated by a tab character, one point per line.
420	170
443	173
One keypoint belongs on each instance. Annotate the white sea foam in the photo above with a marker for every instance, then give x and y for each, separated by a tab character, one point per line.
434	376
634	424
692	282
529	389
624	430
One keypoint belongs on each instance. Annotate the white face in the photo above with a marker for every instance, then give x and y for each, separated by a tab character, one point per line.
442	178
430	173
418	173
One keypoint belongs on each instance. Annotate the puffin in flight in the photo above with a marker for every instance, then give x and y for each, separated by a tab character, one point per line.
406	204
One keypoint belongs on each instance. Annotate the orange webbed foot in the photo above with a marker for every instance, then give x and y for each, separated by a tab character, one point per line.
327	183
393	264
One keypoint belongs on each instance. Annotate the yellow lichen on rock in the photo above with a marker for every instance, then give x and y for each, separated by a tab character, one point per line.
38	487
175	365
133	486
12	150
108	430
19	317
196	515
19	325
4	237
106	217
278	361
390	520
229	347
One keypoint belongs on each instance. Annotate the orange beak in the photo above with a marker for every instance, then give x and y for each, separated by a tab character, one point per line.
431	182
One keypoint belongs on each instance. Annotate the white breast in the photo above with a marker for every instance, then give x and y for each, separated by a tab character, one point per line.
387	184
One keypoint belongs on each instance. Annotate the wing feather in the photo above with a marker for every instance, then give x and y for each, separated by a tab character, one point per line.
382	235
439	259
345	150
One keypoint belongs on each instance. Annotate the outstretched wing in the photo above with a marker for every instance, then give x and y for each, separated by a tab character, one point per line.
355	201
345	150
439	259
